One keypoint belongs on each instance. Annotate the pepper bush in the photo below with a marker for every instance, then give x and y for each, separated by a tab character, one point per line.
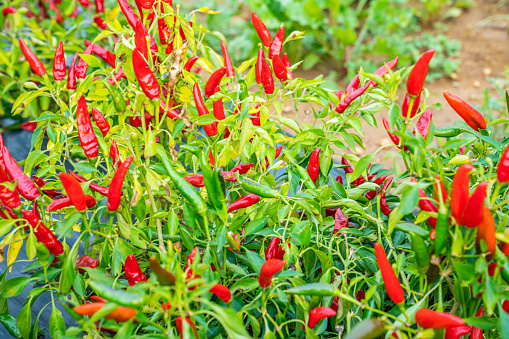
202	211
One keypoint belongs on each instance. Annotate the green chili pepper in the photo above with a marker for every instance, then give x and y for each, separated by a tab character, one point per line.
441	229
319	289
421	251
164	277
118	97
447	132
212	179
367	329
124	298
262	191
234	246
304	175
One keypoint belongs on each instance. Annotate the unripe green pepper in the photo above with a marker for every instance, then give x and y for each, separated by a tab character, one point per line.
421	252
447	132
441	229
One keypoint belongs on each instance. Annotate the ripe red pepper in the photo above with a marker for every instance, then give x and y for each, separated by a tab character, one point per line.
503	167
9	198
487	231
319	313
353	84
59	67
133	272
268	270
190	63
115	154
25	187
93	186
279	68
66	202
262	30
99	6
426	205
472	117
276	47
36	64
100	22
29	126
140	39
314	165
340	221
457	331
431	319
230	71
372	194
417	76
439	187
243	202
164	31
146	78
244	168
53	194
214	81
196	180
101	121
115	190
102	53
473	210
42	233
129	14
119	75
274	250
86	134
178	322
360	295
343	105
8	10
287	64
259	66
477	332
278	152
395	139
74	191
256	120
81	67
89	262
406	106
391	282
423	123
210	129
267	79
460	191
71	77
222	292
119	314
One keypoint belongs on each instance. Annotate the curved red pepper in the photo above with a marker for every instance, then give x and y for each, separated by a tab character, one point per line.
222	292
42	233
353	84
9	198
460	191
81	67
276	47
59	67
340	221
314	165
210	129
66	202
133	272
146	78
417	76
269	269
319	313
102	53
115	154
244	168
391	281
243	202
93	186
372	194
86	134
119	75
190	63
473	210
214	81
406	106
74	191
53	194
115	190
101	121
89	262
279	68
287	64
25	187
71	77
267	79
472	117
426	205
178	322
230	71
274	250
343	105
394	138
262	30
36	64
431	319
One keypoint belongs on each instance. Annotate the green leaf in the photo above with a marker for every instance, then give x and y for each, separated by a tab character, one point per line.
121	297
15	286
256	225
245	285
484	323
56	324
361	166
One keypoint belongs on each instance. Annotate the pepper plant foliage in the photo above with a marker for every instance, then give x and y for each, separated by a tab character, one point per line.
269	243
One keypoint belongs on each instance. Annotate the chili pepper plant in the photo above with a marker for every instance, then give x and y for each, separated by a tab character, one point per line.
201	210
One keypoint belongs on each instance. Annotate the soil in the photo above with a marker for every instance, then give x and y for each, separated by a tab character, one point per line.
483	55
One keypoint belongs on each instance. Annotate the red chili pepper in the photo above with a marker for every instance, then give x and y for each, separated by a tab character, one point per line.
340	221
146	78
211	157
472	117
81	68
196	180
431	319
210	129
230	71
120	74
94	187
101	121
71	77
477	332
25	187
133	272
119	314
423	123
243	202
102	53
394	138
505	306
278	152
314	165
66	202
503	167
274	250
439	187
343	105
74	191
406	106
190	63
279	68
256	120
9	198
353	84
89	262
360	295
267	79
42	233
214	81
36	64
115	190
166	306
262	30
29	126
417	76
59	67
287	64
372	194
86	134
98	299
391	282
244	168
164	32
269	269
222	292
191	324
53	194
84	3
8	10
319	313
140	39
348	168
473	210
115	154
276	47
486	231
259	66
100	22
128	11
426	205
99	6
460	191
457	331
